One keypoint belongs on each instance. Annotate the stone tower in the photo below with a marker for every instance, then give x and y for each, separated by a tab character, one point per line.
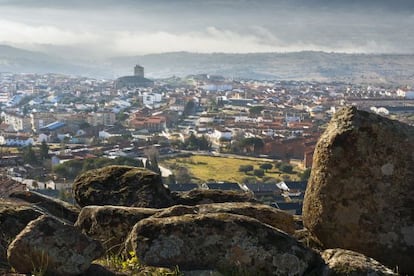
139	71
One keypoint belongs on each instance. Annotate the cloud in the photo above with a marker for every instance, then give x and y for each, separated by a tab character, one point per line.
121	27
210	40
18	33
213	39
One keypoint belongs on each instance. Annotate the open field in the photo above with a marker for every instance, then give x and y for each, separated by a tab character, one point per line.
207	168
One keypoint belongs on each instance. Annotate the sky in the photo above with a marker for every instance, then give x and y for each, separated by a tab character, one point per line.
104	28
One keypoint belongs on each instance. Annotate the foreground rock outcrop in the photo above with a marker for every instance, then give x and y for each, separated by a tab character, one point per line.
53	206
263	213
111	224
360	195
47	245
13	218
340	262
225	242
139	187
202	196
121	186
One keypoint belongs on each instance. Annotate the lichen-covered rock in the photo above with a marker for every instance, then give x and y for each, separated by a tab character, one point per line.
98	270
202	196
340	262
264	213
360	195
53	206
48	245
13	218
111	224
121	186
219	241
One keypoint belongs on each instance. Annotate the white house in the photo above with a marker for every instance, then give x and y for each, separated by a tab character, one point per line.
106	134
42	138
15	141
222	134
151	99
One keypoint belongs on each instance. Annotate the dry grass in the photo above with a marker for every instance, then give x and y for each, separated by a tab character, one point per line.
204	168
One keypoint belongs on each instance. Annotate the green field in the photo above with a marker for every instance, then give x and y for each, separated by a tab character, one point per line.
207	168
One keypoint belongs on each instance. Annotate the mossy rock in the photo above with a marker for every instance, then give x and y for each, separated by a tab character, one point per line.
13	218
121	186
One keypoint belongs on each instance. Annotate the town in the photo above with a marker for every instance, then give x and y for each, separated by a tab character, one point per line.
55	126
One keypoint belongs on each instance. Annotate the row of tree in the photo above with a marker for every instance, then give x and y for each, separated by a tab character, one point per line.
32	156
283	167
196	143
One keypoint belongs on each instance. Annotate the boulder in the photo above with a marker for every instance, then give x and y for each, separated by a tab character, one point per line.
121	186
48	246
53	206
341	262
98	270
264	213
360	194
232	244
111	224
203	196
13	218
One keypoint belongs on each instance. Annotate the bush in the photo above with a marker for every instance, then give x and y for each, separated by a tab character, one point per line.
246	168
249	180
258	172
266	166
305	175
286	168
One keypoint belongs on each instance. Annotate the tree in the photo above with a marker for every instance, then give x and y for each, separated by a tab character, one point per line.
278	164
183	175
304	176
204	143
69	169
246	168
249	180
256	110
266	166
121	116
258	172
170	179
252	144
29	155
44	150
286	168
189	108
195	143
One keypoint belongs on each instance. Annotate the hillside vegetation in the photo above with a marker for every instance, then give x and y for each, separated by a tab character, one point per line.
210	168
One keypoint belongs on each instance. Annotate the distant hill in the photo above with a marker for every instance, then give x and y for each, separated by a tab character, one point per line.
365	68
319	66
22	61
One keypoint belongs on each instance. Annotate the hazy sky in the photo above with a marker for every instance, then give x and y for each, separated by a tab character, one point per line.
125	27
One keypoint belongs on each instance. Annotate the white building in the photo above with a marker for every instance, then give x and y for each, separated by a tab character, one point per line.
222	134
101	118
17	122
151	99
15	141
407	94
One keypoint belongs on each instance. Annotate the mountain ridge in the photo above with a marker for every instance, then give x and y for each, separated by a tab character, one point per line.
304	66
